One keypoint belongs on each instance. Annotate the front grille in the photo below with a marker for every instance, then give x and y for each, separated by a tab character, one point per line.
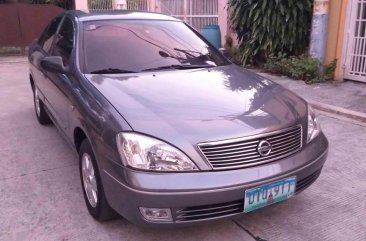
220	210
210	211
243	152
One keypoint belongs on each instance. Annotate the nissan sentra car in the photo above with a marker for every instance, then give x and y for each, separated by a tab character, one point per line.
167	129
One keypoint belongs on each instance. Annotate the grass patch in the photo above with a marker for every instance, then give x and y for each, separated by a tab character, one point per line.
302	67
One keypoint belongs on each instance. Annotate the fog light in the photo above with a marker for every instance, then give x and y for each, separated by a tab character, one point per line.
156	214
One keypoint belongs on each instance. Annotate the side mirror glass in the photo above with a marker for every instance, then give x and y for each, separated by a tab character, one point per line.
53	64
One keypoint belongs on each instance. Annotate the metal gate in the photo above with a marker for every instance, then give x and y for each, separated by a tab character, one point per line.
196	13
100	4
140	5
355	65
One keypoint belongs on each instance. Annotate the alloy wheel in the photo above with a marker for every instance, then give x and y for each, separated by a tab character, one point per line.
89	180
37	102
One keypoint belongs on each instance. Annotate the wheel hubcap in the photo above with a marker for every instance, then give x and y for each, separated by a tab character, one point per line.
90	183
36	102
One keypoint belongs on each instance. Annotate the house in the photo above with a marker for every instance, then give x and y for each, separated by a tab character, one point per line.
346	38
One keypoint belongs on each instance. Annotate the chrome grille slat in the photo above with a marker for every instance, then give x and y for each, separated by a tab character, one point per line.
287	142
232	157
226	146
284	138
232	153
241	152
237	148
281	136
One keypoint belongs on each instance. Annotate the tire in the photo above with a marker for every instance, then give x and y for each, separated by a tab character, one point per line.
92	187
40	110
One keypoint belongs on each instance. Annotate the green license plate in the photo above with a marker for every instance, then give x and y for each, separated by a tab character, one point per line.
269	193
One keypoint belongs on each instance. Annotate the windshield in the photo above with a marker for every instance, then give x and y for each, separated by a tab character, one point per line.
130	46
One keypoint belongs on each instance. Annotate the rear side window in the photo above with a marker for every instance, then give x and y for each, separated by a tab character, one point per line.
49	34
65	41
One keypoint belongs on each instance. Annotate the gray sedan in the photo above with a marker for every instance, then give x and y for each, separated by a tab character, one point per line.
168	130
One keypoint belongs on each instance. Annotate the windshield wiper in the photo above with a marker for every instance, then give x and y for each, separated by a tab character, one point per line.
112	71
177	66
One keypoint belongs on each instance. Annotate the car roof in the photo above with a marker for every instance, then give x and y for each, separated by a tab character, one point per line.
90	15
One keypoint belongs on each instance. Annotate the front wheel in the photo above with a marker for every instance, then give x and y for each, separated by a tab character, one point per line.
94	196
40	110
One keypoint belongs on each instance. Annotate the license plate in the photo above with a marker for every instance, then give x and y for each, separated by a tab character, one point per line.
269	193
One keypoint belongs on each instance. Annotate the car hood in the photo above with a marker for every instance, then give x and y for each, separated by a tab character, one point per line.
200	105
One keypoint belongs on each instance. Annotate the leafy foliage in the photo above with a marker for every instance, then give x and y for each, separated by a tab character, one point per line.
330	69
271	27
303	67
233	52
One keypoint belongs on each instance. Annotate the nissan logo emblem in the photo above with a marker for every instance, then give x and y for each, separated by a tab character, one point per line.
264	148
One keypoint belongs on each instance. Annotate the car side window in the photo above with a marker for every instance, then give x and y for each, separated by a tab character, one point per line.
65	41
49	34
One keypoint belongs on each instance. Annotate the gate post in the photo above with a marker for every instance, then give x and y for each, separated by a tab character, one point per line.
81	5
154	6
319	30
223	19
119	4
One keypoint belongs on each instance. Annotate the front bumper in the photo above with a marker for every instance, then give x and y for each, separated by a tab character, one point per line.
205	196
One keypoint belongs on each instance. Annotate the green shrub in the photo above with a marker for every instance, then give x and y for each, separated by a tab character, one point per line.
270	27
303	67
232	51
329	70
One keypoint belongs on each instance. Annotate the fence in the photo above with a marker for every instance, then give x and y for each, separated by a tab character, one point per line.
140	5
99	5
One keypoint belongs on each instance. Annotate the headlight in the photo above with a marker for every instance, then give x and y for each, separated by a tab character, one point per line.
313	125
147	153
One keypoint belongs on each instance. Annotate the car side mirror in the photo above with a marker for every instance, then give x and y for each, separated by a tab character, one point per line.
53	64
224	52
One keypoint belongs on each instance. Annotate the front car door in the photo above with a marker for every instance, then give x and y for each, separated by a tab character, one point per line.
61	84
40	50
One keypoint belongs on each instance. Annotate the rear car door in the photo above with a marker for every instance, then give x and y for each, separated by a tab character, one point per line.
61	84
